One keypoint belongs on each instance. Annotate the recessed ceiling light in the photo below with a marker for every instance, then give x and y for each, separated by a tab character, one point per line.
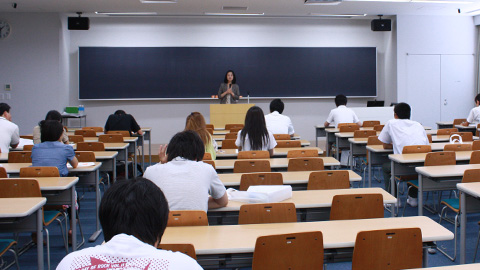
158	1
232	14
337	15
322	2
126	13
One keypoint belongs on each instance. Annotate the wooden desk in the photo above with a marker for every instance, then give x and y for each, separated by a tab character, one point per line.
231	246
311	205
303	143
275	163
470	197
472	266
470	128
277	152
444	124
220	137
24	214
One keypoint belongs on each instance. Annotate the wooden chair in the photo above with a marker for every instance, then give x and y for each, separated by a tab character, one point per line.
378	127
289	251
235	130
305	164
187	218
28	137
39	172
260	213
90	146
3	173
231	136
370	123
86	132
476	145
229	144
288	144
466	136
430	139
230	126
373	140
247	166
211	162
475	157
281	137
96	129
458	147
253	155
447	131
85	156
400	248
110	138
210	130
210	126
329	180
124	133
349	128
28	147
410	149
20	157
255	179
459	121
9	245
75	138
207	156
302	153
187	249
346	124
356	206
364	133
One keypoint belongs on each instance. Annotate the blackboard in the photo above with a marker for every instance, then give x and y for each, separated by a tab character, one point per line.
196	72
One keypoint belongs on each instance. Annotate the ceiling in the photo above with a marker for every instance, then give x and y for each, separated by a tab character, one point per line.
270	8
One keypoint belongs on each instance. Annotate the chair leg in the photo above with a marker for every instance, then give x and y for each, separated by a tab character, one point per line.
15	257
476	247
48	247
81	233
64	233
452	258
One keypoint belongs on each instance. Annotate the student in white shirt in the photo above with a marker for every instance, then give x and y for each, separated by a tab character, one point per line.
134	215
341	114
277	123
396	134
9	134
254	135
474	115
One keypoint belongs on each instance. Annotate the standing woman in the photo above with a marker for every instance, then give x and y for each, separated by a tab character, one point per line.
196	122
229	91
254	135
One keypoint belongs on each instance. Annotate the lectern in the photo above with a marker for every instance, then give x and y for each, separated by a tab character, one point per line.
221	114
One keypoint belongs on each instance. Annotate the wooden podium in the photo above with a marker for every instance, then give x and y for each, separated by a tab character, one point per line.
221	114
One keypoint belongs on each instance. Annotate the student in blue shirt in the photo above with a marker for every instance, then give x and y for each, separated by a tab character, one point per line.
52	152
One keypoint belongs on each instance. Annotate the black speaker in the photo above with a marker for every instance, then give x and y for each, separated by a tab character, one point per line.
78	23
382	25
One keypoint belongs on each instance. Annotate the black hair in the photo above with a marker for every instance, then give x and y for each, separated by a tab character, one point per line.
477	98
186	144
135	207
402	110
120	112
340	100
4	107
53	115
255	128
234	77
277	105
50	130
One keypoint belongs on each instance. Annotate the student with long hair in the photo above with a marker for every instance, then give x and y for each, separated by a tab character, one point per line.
254	135
196	122
51	115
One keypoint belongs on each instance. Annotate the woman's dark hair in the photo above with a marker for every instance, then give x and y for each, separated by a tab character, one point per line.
135	207
50	130
234	77
186	144
402	110
255	128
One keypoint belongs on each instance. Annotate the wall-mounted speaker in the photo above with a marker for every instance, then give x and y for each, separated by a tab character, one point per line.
382	25
78	23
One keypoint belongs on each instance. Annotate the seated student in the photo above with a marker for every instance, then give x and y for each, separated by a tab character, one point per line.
341	114
51	115
400	132
52	152
122	121
277	123
9	134
133	214
185	180
254	135
474	115
196	122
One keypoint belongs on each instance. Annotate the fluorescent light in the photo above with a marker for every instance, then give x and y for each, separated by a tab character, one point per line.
158	1
233	14
416	1
127	13
337	15
322	2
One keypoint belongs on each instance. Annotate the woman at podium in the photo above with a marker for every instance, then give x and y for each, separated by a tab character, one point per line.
229	91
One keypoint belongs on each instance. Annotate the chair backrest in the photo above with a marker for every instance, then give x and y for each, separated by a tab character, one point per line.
229	144
210	126
364	133
187	249
124	133
459	121
253	155
410	149
446	131
20	157
96	129
39	172
466	136
85	156
28	147
378	127
475	157
110	138
305	164
349	128
255	179
75	138
346	124
458	147
86	132
90	146
373	140
288	144
259	213
472	175
430	139
247	166
230	126
18	188
356	206
210	130
302	153
289	251
3	173
370	123
281	137
476	145
187	218
28	137
388	249
329	180
231	136
440	159
211	162
207	156
235	130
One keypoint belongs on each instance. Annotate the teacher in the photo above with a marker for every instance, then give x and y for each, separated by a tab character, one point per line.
229	91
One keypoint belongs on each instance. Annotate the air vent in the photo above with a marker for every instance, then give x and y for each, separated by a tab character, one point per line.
234	8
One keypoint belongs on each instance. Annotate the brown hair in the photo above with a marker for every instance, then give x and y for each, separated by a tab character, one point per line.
196	122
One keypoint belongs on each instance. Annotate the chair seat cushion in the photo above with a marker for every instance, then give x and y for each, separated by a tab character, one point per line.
413	183
452	203
5	244
49	216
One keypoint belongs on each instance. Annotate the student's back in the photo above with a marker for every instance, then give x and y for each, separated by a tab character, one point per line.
341	114
122	121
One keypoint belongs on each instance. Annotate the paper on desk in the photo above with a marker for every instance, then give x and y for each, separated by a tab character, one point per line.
24	142
81	164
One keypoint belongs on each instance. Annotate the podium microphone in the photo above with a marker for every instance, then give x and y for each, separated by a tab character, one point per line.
248	97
